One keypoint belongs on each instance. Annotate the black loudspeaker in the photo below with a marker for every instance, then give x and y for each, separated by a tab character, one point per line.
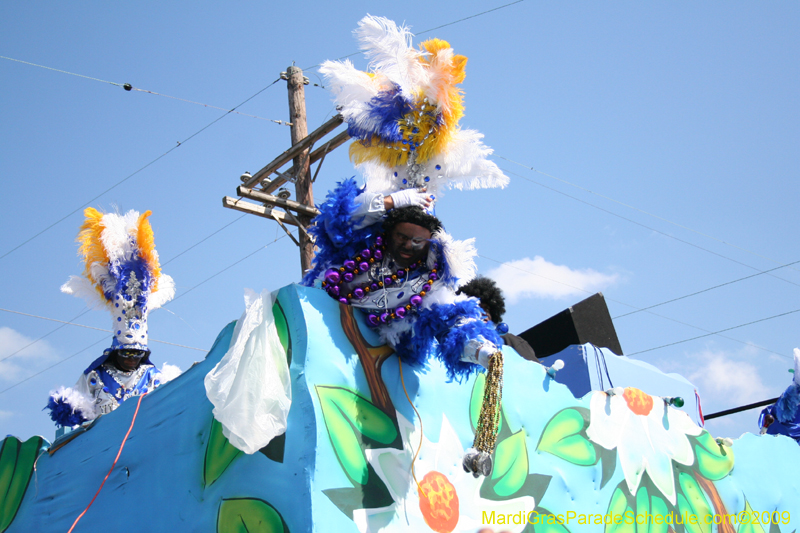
587	321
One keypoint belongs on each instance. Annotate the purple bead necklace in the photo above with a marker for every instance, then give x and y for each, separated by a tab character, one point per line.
335	278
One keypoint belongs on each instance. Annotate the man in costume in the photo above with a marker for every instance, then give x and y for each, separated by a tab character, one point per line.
783	417
494	305
121	273
379	247
401	269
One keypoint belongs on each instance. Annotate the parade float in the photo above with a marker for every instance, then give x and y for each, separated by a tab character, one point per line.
360	440
357	424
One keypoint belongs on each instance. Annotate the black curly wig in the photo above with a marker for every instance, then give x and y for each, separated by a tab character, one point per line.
490	295
413	215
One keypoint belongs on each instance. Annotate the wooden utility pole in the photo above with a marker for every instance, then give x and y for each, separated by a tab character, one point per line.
302	184
261	187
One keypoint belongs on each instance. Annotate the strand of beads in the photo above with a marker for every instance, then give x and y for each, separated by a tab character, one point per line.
336	278
478	459
414	302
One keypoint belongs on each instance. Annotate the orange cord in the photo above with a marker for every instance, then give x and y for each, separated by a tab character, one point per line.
113	465
421	433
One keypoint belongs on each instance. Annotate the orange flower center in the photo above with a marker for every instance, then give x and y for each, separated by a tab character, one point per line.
638	401
438	502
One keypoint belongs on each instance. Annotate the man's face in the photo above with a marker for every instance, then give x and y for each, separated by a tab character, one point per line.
408	243
128	360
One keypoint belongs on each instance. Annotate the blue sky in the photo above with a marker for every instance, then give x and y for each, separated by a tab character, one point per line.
652	150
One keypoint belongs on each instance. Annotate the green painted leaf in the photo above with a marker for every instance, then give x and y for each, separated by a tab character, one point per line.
511	464
752	526
618	506
346	413
16	465
692	500
281	326
714	462
249	515
652	509
476	400
219	454
563	437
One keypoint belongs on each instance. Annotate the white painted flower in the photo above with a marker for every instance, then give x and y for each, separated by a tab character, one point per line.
452	499
647	434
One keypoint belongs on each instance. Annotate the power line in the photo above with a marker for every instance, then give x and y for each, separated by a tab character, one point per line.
281	122
647	311
43	336
204	239
98	342
129	87
427	31
716	332
52	366
70	323
470	17
645	226
705	290
230	266
63	71
642	211
180	143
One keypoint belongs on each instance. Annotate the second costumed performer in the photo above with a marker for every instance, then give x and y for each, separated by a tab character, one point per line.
380	248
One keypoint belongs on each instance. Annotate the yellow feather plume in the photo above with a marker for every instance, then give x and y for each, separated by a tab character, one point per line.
147	248
447	70
91	246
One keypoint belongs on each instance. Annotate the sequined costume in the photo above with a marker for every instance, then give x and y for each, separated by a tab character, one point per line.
122	273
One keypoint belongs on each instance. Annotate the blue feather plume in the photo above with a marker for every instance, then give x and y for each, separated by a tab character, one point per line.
63	414
383	118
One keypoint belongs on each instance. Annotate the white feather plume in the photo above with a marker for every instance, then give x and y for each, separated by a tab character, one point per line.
165	292
349	85
389	51
439	78
77	400
116	235
459	257
84	289
465	164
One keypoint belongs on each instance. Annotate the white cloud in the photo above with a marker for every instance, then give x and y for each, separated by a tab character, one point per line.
19	354
726	380
5	415
538	278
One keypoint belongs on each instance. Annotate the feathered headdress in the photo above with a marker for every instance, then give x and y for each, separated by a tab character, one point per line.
121	273
404	114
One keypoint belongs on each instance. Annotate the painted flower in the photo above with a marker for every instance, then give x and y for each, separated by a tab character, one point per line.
647	434
443	499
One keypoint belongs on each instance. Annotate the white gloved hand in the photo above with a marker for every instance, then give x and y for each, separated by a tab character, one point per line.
411	197
478	351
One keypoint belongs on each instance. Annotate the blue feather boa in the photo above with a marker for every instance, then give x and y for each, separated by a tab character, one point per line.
63	414
334	231
437	326
786	414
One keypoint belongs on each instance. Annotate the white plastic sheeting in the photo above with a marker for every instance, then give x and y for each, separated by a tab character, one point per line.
250	387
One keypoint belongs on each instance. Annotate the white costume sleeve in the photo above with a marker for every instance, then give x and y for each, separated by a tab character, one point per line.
369	205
